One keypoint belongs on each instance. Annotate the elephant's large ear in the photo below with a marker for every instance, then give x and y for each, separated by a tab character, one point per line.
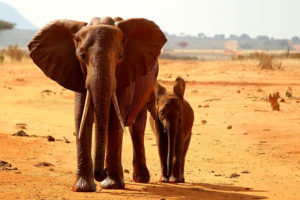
143	41
52	49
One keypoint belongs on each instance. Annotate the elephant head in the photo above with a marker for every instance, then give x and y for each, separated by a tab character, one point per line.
99	58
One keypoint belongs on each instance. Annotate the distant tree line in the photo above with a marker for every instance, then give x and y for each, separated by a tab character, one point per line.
219	41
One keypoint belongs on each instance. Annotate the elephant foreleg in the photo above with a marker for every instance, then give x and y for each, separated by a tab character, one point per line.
84	175
137	132
114	169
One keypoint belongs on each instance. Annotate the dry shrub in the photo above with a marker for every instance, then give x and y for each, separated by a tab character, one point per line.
273	99
294	55
1	58
14	53
238	57
267	61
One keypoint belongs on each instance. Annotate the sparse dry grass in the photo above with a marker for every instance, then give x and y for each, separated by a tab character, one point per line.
13	54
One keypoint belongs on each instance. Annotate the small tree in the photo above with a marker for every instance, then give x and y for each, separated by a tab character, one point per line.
182	44
6	25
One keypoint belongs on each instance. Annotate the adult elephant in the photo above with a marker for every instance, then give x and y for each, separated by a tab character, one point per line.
112	66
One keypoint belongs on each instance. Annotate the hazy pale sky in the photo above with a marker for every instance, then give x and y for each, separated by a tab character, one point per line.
274	18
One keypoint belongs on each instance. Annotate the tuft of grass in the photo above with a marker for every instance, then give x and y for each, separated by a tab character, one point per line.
14	53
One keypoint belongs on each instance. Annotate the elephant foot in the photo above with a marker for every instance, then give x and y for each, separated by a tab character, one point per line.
84	185
112	183
141	176
164	179
174	179
100	175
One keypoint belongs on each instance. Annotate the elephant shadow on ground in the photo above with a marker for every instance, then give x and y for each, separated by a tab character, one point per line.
199	191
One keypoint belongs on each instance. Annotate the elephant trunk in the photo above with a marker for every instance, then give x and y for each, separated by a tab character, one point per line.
171	147
101	83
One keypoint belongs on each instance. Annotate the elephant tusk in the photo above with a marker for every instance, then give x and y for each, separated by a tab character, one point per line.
85	111
117	108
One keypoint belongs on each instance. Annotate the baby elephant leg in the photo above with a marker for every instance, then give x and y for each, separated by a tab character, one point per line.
178	173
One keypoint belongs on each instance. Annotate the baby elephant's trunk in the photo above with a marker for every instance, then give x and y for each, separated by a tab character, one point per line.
171	146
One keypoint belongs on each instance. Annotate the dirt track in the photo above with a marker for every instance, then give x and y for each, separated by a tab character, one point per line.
258	158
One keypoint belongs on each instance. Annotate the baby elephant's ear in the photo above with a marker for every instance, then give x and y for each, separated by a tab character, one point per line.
179	87
53	50
159	90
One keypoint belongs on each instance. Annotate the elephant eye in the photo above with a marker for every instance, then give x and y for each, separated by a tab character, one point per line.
82	56
120	56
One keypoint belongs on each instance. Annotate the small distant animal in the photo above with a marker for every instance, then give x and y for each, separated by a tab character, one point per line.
273	99
171	120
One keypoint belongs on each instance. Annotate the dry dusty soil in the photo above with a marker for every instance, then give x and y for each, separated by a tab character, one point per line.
243	149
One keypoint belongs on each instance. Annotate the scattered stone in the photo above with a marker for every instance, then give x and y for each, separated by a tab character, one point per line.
21	124
213	99
229	127
6	166
199	106
47	91
259	90
245	172
44	164
50	138
239	91
203	121
66	140
126	171
218	175
194	91
33	136
234	175
282	100
206	106
20	79
22	127
21	133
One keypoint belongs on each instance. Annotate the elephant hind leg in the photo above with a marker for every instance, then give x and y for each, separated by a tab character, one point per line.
137	132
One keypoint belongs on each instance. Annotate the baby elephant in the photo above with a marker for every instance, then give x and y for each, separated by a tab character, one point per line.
171	120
